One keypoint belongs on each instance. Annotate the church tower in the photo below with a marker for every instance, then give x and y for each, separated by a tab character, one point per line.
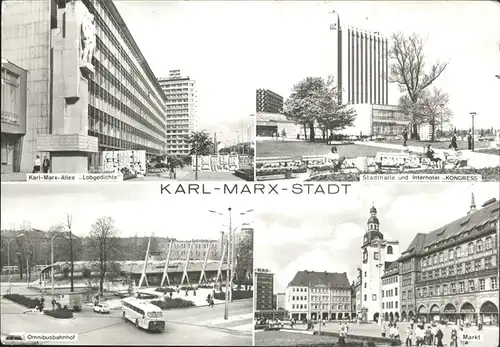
376	252
472	204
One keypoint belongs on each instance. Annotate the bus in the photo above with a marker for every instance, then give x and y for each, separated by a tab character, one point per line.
143	314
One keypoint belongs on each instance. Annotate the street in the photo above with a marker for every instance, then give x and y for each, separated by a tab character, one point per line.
191	326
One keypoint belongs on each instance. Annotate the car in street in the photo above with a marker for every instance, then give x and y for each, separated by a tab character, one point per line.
101	308
17	339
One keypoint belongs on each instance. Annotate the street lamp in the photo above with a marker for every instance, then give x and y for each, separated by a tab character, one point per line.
379	244
230	258
8	256
472	114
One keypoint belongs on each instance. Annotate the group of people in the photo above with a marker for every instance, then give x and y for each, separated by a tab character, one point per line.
430	336
391	330
41	164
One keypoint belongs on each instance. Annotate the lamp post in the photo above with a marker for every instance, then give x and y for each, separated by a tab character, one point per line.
8	259
231	259
472	114
379	244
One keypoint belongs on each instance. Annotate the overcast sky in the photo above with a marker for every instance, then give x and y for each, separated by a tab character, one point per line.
233	47
325	233
136	208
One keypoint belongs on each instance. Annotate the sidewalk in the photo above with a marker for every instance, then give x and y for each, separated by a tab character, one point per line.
199	300
475	160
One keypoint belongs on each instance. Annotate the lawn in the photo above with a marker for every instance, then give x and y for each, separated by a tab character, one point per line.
441	144
282	338
266	149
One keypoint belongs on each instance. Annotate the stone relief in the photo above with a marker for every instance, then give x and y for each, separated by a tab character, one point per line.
88	38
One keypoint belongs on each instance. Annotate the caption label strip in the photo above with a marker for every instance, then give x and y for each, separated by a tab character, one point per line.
422	178
74	178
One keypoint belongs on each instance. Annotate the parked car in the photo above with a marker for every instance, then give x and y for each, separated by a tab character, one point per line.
101	308
17	339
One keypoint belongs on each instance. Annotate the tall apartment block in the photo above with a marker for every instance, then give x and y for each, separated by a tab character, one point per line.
89	87
264	287
267	101
360	64
181	102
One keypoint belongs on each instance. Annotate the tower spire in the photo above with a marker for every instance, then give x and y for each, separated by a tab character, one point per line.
472	203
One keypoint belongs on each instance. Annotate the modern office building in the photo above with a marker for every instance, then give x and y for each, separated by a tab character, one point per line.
390	292
268	101
90	89
459	268
376	252
359	64
14	108
264	287
318	295
280	301
182	118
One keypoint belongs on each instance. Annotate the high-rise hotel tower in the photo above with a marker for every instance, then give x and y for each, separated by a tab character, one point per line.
360	64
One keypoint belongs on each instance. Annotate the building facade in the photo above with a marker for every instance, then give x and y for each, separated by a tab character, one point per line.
14	108
90	89
280	301
459	268
268	101
271	125
319	296
264	287
376	252
181	103
391	292
359	64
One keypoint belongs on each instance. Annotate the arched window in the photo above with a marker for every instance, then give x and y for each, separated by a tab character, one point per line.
450	254
458	252
441	257
389	250
479	245
489	242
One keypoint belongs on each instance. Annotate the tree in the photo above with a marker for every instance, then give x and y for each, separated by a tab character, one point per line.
433	109
244	259
201	144
314	102
408	71
103	241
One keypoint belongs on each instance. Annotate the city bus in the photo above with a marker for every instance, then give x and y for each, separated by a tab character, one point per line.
143	314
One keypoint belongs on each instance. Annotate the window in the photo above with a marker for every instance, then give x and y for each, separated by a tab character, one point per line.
453	288
431	291
462	287
424	292
451	270
482	284
434	259
458	252
389	250
374	297
365	284
445	289
450	254
472	286
489	243
375	255
477	265
403	295
441	257
396	291
487	262
459	268
479	245
438	290
470	248
366	274
395	304
365	297
410	295
383	305
443	272
494	283
468	267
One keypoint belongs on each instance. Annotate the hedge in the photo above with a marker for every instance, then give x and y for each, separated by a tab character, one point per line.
184	288
329	344
369	339
59	314
279	171
491	174
246	174
22	300
237	295
206	286
172	303
165	290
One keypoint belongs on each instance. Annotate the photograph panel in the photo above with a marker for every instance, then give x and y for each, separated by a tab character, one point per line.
384	265
88	92
359	104
122	266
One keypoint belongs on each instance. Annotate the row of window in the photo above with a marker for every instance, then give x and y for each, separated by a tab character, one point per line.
390	280
390	292
119	45
459	251
463	287
390	305
458	269
321	298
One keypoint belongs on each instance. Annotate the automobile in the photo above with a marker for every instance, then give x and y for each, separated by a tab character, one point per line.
101	308
17	339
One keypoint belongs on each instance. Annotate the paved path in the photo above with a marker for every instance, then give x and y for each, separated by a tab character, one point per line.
193	326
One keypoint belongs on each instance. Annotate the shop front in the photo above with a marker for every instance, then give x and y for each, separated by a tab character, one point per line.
435	313
468	314
450	313
488	314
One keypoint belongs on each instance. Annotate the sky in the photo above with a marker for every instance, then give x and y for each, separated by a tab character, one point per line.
231	48
325	233
138	209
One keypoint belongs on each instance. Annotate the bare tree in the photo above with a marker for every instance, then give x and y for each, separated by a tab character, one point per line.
435	109
103	236
408	70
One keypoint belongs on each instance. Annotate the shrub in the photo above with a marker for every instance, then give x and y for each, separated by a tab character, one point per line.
370	340
59	314
165	290
246	174
172	303
22	300
206	286
237	295
184	288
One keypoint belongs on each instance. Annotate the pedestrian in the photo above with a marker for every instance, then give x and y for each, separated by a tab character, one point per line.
405	137
439	337
408	335
454	338
194	292
433	334
428	336
46	164
187	292
453	144
420	335
36	164
171	294
341	342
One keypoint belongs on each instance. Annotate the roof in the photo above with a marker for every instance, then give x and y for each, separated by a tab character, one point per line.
390	268
488	213
271	117
311	278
